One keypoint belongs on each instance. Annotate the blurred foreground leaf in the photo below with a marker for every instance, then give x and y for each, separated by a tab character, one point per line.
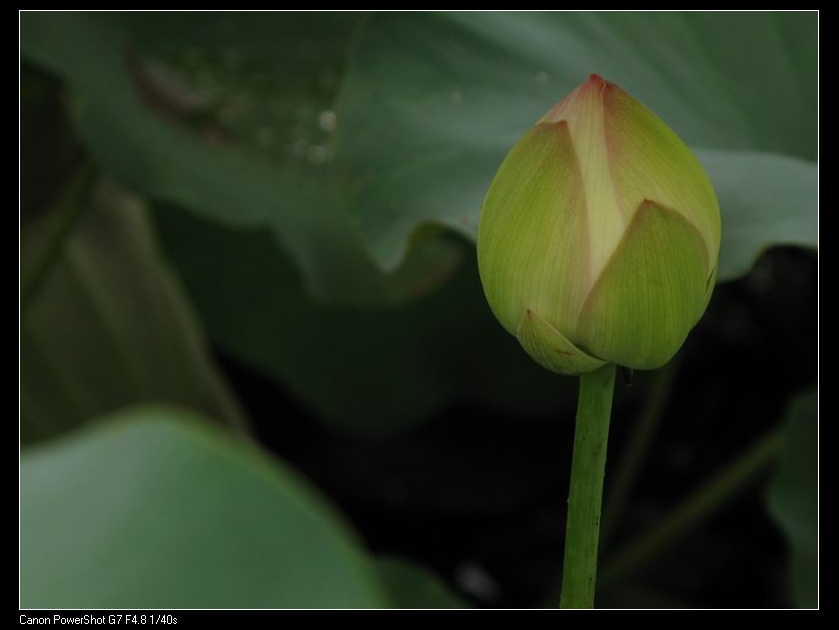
108	325
432	102
158	510
794	497
229	115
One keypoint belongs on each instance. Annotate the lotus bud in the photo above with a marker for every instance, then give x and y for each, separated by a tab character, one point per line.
599	236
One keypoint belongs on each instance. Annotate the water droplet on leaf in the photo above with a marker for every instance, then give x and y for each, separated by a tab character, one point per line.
327	120
317	154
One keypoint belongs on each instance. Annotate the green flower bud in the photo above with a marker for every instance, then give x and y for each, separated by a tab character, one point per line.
599	235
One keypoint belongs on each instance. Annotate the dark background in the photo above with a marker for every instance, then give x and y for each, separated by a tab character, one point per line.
467	491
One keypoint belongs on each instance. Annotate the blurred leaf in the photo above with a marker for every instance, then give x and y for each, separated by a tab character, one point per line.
228	114
432	102
794	497
109	325
371	372
410	586
157	510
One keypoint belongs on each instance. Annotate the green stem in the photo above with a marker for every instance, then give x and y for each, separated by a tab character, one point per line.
623	476
70	207
716	493
588	467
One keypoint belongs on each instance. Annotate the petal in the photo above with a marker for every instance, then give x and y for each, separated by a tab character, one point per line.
532	237
649	161
551	349
583	110
651	293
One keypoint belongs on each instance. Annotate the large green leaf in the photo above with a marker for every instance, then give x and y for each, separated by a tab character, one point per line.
108	325
794	497
371	372
156	509
229	115
432	102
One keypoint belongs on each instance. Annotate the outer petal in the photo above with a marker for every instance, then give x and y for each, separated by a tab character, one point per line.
651	293
551	349
649	161
532	237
